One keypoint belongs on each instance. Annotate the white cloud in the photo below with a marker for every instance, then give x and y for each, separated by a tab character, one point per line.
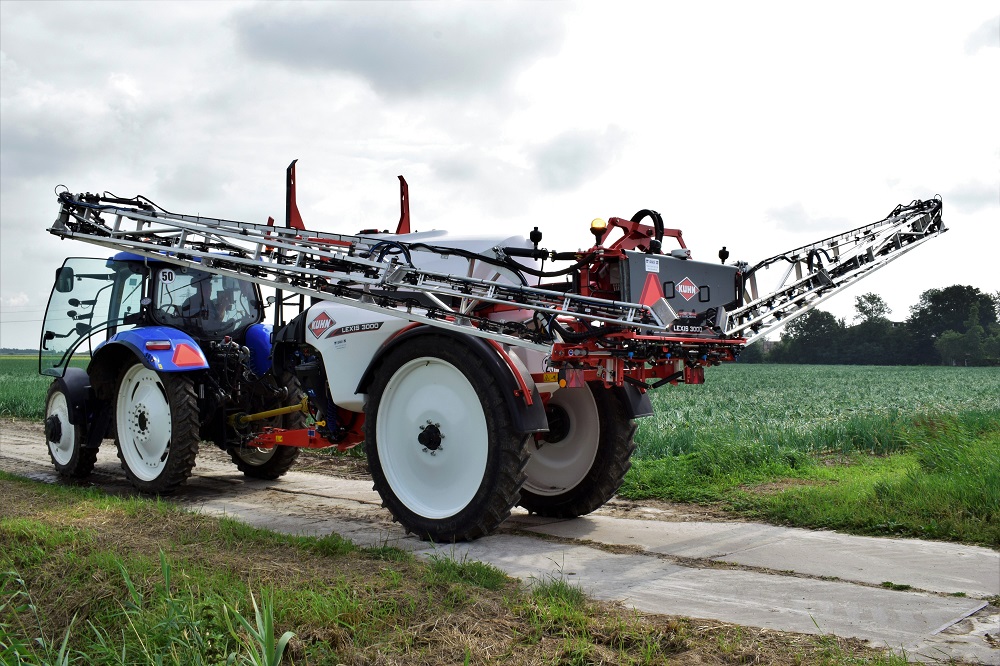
566	161
985	36
404	49
793	217
973	196
15	300
759	127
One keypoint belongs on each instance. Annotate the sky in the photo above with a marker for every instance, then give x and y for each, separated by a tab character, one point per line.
759	126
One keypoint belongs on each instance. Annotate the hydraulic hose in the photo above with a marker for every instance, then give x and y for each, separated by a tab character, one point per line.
657	222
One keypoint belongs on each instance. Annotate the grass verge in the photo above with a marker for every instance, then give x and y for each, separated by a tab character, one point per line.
941	482
88	578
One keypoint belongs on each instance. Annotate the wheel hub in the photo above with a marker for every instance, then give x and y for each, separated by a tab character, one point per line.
559	424
53	429
140	424
430	437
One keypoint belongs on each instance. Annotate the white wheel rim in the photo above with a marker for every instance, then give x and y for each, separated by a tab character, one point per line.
62	450
432	483
555	467
144	422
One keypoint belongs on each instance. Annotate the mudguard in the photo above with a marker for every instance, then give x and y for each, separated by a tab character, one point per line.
288	337
75	385
182	355
637	404
527	418
86	411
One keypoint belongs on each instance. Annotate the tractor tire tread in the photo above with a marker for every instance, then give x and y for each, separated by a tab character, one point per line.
185	423
489	508
614	460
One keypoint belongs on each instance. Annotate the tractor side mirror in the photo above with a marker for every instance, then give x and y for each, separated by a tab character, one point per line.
82	329
64	279
76	302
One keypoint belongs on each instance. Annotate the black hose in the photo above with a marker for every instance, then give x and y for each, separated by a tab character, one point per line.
657	222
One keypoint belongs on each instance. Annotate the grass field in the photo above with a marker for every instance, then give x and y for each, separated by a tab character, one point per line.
875	450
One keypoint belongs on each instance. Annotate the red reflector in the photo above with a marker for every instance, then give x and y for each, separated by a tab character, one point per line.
157	344
185	355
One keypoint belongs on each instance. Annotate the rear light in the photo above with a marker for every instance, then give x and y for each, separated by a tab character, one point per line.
158	345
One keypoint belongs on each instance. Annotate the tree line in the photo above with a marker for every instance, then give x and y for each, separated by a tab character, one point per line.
956	325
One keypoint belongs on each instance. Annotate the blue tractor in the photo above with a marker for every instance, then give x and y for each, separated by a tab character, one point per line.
174	356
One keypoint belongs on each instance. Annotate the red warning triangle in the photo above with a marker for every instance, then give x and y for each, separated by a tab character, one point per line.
186	356
651	291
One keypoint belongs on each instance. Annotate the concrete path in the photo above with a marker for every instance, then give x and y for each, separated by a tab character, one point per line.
744	573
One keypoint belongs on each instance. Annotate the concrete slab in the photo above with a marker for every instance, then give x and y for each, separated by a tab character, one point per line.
898	620
928	565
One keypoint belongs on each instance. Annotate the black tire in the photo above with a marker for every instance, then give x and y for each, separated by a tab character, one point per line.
615	442
64	439
157	424
441	447
273	462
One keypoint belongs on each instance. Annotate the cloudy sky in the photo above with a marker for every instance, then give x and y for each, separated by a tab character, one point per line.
759	126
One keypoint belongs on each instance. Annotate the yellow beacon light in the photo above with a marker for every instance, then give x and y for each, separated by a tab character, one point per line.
598	227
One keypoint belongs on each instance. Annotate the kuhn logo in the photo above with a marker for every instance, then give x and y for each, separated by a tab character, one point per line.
687	289
321	324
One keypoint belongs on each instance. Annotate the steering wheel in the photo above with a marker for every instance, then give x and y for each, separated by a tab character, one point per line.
171	310
225	328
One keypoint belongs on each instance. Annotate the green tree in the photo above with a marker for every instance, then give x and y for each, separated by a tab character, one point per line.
974	347
753	354
871	308
815	337
947	309
870	342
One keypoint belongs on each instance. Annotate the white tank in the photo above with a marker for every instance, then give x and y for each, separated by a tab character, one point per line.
348	337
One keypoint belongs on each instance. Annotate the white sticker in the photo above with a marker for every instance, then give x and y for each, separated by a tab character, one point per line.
167	275
652	265
340	344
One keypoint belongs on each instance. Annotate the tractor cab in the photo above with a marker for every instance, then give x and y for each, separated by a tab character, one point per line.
95	300
204	305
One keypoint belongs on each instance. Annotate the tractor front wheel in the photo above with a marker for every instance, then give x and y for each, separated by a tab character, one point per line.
441	446
65	439
581	462
156	415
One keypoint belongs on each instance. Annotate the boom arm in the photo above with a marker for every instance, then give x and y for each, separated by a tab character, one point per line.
813	273
589	326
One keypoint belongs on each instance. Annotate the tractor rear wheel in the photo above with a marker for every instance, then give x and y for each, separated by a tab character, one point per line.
441	446
271	463
581	462
65	440
156	415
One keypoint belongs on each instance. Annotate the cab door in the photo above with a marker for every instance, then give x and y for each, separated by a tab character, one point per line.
90	300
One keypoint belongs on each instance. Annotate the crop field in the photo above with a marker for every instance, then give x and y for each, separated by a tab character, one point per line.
911	451
22	389
811	408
